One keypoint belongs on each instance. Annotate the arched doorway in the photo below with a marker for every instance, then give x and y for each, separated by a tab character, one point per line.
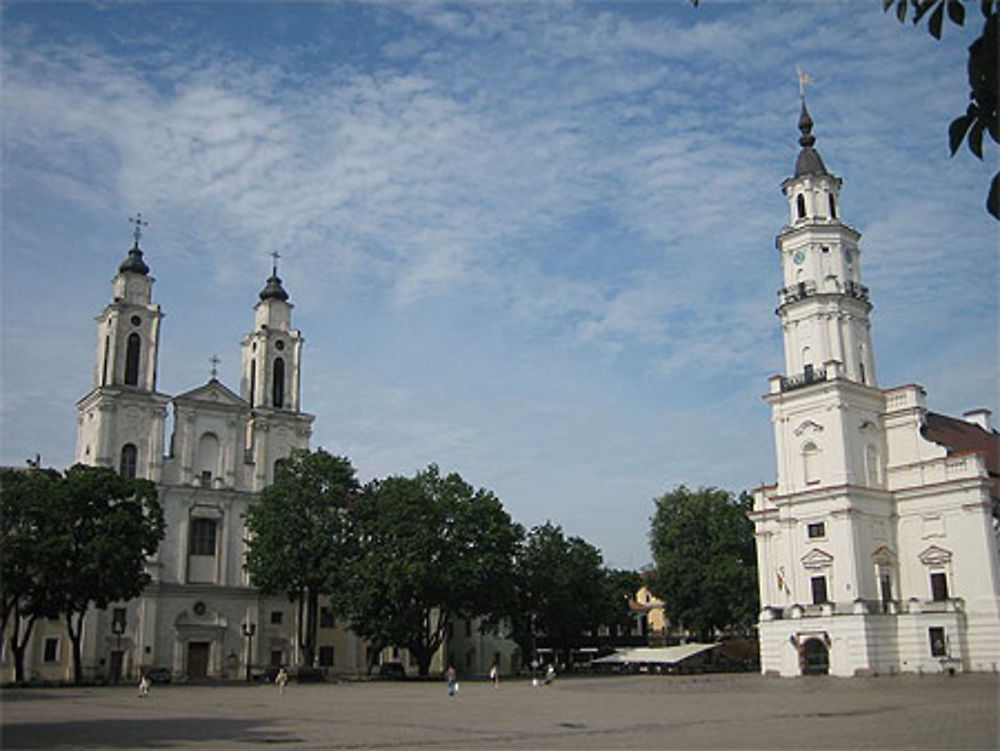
815	657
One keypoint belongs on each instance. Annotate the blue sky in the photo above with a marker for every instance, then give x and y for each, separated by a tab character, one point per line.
532	243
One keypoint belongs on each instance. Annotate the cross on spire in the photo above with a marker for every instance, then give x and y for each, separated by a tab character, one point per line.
215	366
139	223
275	255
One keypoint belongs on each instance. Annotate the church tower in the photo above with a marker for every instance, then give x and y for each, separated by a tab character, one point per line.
120	422
271	382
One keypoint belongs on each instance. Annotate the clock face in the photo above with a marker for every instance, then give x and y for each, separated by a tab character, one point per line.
799	257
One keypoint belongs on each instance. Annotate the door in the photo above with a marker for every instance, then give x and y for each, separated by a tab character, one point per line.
197	659
116	665
815	658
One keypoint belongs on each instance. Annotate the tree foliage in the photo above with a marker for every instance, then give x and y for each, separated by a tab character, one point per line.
561	590
983	67
703	549
298	539
429	549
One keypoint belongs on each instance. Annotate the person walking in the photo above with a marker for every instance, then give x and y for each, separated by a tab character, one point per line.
452	677
495	676
282	680
143	685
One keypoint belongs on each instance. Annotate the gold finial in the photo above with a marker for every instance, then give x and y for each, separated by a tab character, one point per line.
804	80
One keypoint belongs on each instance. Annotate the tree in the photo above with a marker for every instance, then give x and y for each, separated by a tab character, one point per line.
620	587
561	590
297	536
26	498
703	549
984	87
99	531
429	549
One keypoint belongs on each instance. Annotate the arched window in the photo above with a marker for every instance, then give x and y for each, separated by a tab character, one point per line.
861	364
873	474
104	366
128	461
278	387
208	458
833	207
253	380
800	202
810	462
132	359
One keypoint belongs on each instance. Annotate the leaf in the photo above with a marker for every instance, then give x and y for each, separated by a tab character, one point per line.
956	12
993	199
957	130
934	25
976	139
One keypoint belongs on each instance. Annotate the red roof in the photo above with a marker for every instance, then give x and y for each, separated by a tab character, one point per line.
961	436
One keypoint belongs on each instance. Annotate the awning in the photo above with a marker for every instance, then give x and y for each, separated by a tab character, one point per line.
656	655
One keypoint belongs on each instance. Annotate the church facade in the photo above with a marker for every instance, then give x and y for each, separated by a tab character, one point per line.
877	549
199	618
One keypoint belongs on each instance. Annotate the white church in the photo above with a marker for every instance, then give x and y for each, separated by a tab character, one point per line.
877	549
199	617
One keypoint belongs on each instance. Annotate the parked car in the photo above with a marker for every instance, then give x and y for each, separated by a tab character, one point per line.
393	671
157	675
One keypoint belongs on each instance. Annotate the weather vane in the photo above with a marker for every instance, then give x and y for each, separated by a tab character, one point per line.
215	366
804	80
274	265
139	223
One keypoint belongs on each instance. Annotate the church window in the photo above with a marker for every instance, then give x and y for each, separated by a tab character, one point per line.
277	617
833	207
104	366
326	657
800	203
132	349
253	380
819	590
939	586
203	537
939	647
51	652
810	463
885	587
326	617
128	460
816	529
278	387
208	458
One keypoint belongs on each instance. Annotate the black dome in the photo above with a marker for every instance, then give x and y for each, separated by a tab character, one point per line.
134	262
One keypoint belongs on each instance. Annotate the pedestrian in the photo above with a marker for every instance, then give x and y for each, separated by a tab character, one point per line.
281	679
550	674
143	686
452	677
495	676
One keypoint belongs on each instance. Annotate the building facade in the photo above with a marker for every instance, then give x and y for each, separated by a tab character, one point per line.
877	548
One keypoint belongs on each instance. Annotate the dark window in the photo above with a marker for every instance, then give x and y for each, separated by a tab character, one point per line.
833	207
939	587
51	649
885	581
326	619
132	360
468	628
819	590
128	460
275	657
206	478
800	202
202	537
278	390
104	367
118	618
939	647
808	372
277	616
253	380
326	657
817	529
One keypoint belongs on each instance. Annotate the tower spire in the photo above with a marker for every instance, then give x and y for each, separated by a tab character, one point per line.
134	262
809	161
273	289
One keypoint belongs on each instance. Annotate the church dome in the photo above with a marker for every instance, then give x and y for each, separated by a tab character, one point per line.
134	262
273	289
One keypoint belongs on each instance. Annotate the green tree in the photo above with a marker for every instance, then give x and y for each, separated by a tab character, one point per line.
704	552
297	536
26	502
561	590
429	549
100	530
983	68
620	587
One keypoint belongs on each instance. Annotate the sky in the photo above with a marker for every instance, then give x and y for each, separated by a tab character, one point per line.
532	243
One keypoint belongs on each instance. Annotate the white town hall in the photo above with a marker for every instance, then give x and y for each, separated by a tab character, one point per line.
877	548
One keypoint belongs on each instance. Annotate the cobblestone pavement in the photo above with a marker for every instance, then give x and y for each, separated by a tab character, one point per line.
640	712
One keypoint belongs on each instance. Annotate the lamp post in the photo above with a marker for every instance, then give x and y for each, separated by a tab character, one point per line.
249	629
118	628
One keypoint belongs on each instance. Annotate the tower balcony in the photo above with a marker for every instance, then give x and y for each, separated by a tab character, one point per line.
796	292
802	290
809	376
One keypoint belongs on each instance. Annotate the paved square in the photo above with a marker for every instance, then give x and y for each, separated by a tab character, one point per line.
716	711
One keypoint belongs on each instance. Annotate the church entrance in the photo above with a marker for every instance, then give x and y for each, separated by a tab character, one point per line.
815	658
197	660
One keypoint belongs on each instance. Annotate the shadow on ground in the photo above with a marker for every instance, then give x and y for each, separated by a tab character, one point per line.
144	733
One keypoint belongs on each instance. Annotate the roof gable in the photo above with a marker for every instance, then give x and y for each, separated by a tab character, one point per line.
213	393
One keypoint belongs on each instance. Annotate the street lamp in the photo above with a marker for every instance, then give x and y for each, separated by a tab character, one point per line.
118	628
249	629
